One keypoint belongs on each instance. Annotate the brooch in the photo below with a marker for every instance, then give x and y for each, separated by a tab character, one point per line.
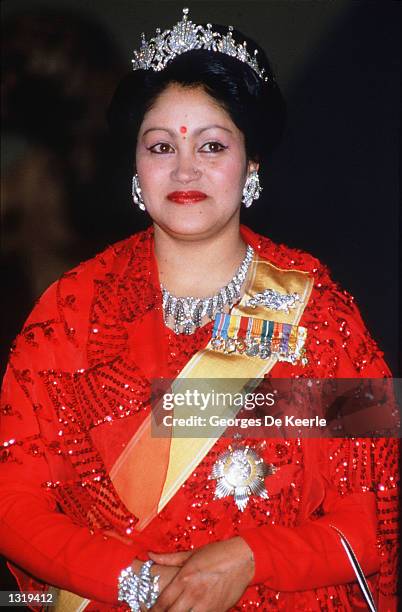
240	471
274	300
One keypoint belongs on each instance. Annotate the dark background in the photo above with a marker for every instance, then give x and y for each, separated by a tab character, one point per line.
331	189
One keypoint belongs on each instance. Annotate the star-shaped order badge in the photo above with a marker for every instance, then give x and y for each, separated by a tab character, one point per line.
240	471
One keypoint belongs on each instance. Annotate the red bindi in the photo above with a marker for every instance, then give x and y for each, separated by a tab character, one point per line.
183	129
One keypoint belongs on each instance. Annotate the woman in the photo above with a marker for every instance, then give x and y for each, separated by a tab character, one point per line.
88	493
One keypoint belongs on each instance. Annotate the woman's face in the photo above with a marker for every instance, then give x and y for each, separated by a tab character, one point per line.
191	163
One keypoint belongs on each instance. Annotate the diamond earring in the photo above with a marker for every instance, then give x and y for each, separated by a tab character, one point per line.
252	189
137	193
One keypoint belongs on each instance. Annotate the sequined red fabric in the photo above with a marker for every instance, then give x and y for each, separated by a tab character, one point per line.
78	383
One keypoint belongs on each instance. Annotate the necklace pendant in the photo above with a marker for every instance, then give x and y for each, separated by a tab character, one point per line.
188	329
240	471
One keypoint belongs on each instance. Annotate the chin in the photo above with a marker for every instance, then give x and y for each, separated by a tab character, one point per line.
190	229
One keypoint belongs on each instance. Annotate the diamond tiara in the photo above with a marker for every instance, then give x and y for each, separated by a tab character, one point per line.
186	36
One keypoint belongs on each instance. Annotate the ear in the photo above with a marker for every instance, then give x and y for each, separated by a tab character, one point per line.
252	166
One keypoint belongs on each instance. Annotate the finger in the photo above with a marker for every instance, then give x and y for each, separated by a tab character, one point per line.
185	604
168	596
177	559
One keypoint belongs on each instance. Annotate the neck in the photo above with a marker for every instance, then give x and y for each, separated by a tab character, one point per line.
198	267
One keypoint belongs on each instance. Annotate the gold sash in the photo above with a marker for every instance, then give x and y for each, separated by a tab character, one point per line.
186	453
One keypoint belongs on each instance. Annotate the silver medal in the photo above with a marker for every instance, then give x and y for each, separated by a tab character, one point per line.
240	471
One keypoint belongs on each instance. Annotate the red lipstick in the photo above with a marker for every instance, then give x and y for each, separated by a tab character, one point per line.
186	197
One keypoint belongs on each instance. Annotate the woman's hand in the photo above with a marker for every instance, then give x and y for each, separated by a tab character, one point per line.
166	574
211	579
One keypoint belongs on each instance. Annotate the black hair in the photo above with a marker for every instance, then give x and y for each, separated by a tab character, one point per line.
255	106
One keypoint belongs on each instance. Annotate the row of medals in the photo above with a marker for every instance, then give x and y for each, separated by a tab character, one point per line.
252	348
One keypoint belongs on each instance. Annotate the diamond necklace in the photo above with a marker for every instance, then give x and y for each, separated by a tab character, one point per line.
187	312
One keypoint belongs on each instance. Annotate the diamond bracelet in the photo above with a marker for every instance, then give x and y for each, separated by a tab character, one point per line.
137	589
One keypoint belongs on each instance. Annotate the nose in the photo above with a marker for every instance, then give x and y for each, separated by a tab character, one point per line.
186	169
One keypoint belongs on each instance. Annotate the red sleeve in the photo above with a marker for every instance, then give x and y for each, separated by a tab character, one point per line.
34	533
48	545
361	496
311	555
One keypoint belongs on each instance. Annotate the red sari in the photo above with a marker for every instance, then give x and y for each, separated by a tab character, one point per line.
78	385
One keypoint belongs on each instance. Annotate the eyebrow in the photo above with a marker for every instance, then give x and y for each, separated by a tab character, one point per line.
158	129
199	131
214	125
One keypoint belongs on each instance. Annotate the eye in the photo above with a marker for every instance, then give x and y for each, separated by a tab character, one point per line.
213	147
160	148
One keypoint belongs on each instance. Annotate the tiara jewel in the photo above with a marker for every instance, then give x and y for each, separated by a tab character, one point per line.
187	36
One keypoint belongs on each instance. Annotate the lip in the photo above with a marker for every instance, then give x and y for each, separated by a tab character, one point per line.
186	197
